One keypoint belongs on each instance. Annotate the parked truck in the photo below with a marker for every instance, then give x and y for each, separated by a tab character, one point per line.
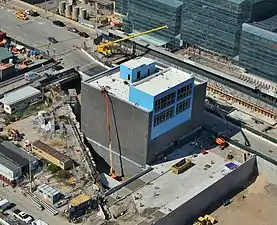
22	216
4	204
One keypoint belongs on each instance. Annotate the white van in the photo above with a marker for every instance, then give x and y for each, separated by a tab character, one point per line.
39	222
4	204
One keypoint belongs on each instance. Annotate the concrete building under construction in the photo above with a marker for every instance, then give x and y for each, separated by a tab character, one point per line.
149	106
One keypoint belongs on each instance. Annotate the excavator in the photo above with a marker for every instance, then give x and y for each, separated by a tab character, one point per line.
206	220
106	48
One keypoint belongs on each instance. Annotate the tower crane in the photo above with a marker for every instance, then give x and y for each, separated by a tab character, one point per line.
106	48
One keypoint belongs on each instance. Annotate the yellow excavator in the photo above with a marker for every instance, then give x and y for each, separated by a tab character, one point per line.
106	48
206	220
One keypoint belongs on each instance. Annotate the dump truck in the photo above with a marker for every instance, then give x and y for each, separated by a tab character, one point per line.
21	15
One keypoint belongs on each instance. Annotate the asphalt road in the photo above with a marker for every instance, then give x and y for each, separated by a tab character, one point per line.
35	32
257	143
25	204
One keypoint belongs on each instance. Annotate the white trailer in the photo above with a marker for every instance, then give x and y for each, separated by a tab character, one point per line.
4	204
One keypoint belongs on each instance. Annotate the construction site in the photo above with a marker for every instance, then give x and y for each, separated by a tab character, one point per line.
163	127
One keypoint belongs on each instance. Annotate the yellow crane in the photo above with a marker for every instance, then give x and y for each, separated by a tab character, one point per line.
106	48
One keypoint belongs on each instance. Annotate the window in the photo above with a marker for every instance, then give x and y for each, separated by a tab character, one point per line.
164	102
181	107
162	117
138	75
129	77
148	72
184	92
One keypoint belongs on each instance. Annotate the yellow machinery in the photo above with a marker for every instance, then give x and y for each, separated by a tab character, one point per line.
181	166
106	48
206	220
21	15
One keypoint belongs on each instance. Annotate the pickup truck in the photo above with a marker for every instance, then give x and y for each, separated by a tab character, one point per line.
22	216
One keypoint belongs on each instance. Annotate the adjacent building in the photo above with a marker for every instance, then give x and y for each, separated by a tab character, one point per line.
144	15
79	205
6	71
258	51
20	99
5	55
150	107
14	162
52	155
49	193
215	24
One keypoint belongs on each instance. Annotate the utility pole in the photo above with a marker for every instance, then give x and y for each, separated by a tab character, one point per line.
45	1
30	173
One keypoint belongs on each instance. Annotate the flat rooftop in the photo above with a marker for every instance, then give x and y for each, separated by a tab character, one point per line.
163	81
19	95
166	78
164	191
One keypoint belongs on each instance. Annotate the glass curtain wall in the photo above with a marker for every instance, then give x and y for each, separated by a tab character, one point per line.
121	6
258	50
148	14
215	24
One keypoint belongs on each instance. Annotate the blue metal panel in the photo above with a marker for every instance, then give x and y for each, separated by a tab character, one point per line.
176	119
171	123
141	99
145	70
124	72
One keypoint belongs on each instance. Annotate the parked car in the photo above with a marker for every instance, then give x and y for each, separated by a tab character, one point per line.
52	40
83	34
22	216
31	12
61	203
72	29
58	23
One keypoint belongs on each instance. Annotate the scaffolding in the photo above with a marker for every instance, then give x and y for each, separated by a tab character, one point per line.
215	24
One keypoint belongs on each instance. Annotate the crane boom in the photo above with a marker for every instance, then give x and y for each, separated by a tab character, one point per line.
104	47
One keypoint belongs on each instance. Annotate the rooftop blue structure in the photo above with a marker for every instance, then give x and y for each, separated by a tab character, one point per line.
165	92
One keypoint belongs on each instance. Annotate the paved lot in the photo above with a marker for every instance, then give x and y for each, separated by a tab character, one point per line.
25	204
35	32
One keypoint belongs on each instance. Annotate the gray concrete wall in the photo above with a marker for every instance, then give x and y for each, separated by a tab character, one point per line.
129	126
267	169
157	145
197	205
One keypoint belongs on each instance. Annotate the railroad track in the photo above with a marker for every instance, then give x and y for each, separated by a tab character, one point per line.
243	102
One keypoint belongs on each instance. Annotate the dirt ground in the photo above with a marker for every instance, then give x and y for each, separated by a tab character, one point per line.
258	208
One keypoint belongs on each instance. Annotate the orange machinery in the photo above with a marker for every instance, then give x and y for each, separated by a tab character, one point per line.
221	142
108	118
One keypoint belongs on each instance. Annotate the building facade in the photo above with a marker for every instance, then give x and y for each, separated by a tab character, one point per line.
52	155
155	13
150	107
215	24
20	99
258	51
